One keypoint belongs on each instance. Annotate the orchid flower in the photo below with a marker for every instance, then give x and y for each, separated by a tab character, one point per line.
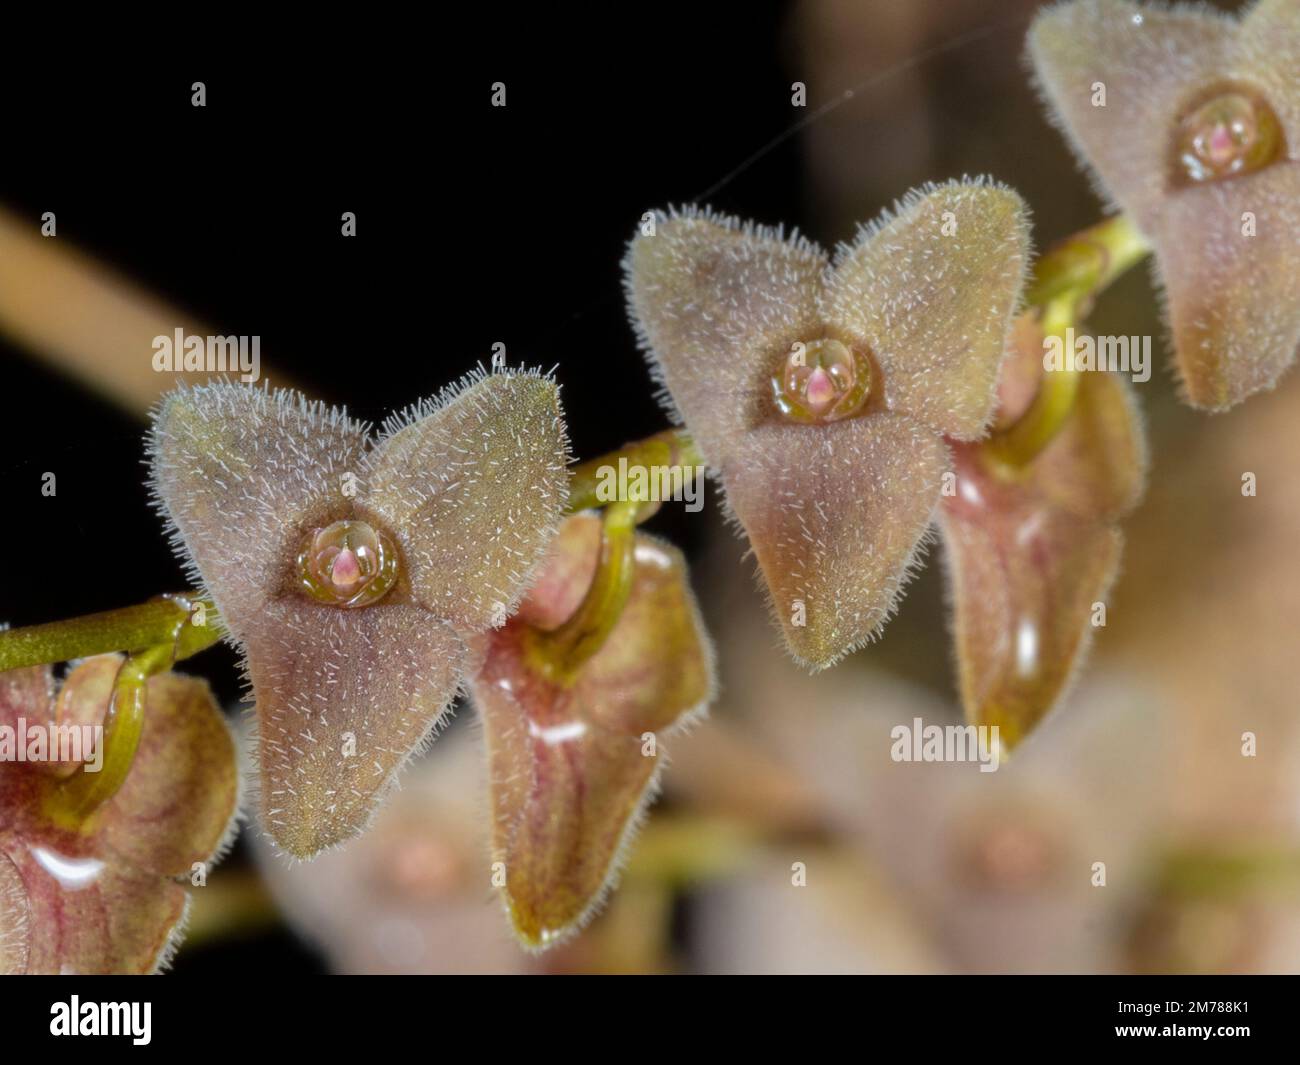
104	894
352	573
1190	121
821	390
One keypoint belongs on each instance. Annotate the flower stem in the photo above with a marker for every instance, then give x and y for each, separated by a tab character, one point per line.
672	451
71	802
1084	264
187	623
176	627
1066	282
1028	436
164	620
563	651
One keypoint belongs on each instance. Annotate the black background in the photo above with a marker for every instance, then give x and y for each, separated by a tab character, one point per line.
475	225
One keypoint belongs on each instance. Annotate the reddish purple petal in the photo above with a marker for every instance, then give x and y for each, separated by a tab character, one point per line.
25	693
15	920
88	915
179	802
344	697
26	706
836	515
1233	300
1029	554
573	767
83	701
98	900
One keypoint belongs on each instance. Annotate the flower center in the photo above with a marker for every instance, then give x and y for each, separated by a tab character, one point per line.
821	381
1232	133
347	564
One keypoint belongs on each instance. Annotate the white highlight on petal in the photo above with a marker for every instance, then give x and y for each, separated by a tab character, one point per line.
1030	528
553	735
72	874
1027	647
648	554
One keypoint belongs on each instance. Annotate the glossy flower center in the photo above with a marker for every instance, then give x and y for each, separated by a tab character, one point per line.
821	381
347	564
1232	133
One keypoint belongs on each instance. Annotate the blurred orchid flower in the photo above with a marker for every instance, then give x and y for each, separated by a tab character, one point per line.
1190	120
352	572
105	896
407	896
821	391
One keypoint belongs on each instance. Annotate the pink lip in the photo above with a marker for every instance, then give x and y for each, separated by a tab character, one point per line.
346	571
820	390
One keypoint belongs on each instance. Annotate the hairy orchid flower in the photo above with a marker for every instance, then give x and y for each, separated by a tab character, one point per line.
106	895
1032	551
1191	121
821	391
574	759
352	573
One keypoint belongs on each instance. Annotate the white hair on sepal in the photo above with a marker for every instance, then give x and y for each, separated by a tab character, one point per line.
380	799
913	197
280	469
421	409
751	237
173	940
